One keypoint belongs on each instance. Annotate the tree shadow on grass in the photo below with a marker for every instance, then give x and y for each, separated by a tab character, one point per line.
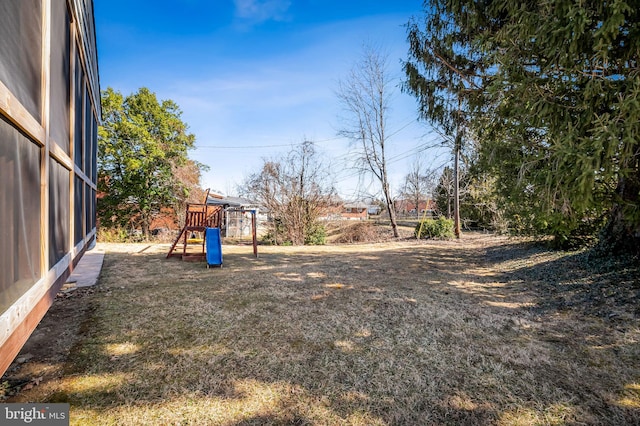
411	335
604	287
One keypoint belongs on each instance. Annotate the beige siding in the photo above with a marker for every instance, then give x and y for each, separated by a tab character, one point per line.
49	109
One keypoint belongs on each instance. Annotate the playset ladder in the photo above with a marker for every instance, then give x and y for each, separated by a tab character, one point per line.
198	218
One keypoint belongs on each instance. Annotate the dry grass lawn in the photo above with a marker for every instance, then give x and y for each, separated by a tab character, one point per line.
482	331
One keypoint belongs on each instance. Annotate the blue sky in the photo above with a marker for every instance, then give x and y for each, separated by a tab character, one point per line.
255	77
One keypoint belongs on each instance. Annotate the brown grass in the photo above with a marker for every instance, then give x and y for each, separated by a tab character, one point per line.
482	331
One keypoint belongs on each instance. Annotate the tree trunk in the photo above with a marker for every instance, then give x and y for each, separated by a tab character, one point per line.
392	216
145	228
622	232
456	189
390	207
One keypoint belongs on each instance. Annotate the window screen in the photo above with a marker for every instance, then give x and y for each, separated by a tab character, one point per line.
88	207
88	133
78	210
60	81
21	51
79	114
19	214
94	152
92	200
58	212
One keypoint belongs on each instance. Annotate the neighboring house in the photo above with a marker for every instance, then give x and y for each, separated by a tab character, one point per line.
165	221
49	116
374	210
355	211
235	223
237	218
331	208
406	207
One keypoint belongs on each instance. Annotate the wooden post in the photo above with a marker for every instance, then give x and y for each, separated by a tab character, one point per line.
44	155
254	232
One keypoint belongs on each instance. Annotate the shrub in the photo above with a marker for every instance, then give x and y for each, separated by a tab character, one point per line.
276	234
269	239
316	235
112	235
439	229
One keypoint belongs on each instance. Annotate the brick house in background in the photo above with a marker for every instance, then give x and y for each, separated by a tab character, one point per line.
355	211
405	207
49	116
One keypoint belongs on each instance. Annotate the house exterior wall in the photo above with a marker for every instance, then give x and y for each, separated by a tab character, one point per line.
408	207
49	116
355	214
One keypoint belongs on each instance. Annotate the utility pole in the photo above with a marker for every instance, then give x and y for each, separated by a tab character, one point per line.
456	179
456	191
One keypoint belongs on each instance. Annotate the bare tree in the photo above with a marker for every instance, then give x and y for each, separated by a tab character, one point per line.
294	189
364	94
419	183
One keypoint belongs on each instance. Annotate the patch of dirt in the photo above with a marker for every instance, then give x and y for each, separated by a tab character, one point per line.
43	356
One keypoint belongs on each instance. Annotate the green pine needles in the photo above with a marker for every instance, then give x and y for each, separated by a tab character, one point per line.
548	93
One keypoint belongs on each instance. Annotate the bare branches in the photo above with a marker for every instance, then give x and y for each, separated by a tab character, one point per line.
364	95
293	189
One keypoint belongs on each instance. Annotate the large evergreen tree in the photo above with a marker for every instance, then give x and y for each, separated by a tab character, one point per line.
551	89
141	143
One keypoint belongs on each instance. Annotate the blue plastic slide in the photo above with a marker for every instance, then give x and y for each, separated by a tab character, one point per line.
213	246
